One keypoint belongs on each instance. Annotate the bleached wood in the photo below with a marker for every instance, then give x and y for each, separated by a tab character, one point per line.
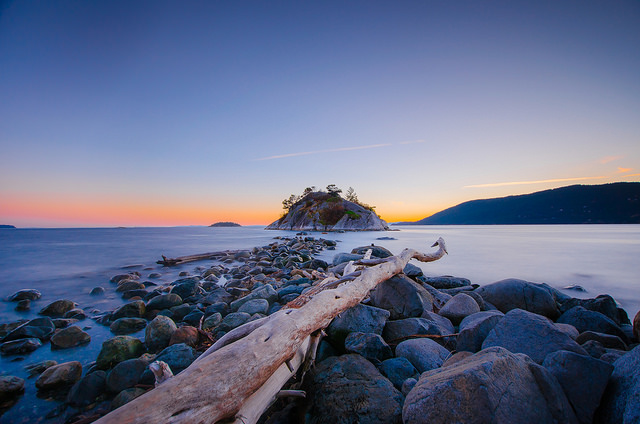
217	386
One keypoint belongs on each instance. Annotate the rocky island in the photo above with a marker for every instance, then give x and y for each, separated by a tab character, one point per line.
7	226
225	224
327	211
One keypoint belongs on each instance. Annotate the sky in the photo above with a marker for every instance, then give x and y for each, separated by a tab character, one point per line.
161	113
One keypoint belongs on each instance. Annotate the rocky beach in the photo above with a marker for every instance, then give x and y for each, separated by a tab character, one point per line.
418	349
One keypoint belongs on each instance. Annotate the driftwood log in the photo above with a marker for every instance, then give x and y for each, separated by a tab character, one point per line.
225	382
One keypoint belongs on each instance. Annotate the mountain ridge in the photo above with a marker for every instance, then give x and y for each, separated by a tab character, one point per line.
614	203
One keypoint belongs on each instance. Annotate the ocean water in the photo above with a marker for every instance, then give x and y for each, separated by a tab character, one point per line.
68	263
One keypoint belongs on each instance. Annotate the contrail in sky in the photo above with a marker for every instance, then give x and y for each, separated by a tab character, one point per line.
511	183
313	152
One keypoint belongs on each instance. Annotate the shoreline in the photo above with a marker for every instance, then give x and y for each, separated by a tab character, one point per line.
243	272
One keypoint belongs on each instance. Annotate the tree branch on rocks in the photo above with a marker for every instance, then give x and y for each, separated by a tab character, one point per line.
226	380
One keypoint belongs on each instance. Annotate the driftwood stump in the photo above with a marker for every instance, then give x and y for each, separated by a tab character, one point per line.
229	377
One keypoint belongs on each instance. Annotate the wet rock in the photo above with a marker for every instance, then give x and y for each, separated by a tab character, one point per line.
341	258
122	277
397	370
621	400
459	307
87	390
64	374
63	322
118	349
586	320
39	367
135	309
446	282
519	294
212	321
69	337
443	322
178	357
25	294
96	291
376	251
181	311
568	329
233	320
424	354
582	378
349	389
412	271
368	345
23	305
187	335
20	346
395	330
402	297
123	326
218	295
362	318
58	308
607	340
129	285
164	301
126	396
534	335
255	306
186	287
125	375
475	328
75	313
134	294
594	348
266	292
41	328
158	333
514	390
10	388
194	318
439	298
603	304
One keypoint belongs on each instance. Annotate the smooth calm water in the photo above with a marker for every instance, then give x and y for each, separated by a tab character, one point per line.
68	263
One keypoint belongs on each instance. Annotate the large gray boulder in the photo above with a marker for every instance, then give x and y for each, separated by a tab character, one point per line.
534	335
475	328
459	307
424	354
402	297
362	318
266	292
370	346
349	389
158	332
621	400
493	386
401	328
582	378
586	320
519	294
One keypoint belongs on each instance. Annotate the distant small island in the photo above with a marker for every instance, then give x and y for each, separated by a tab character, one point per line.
7	226
225	224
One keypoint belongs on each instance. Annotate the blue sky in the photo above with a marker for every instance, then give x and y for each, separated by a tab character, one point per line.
180	113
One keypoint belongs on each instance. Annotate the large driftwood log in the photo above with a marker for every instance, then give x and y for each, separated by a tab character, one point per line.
217	385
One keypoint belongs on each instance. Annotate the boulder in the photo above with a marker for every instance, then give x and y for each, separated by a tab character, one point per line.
212	321
126	396
266	292
118	349
164	301
135	309
38	367
218	295
186	287
460	306
178	357
125	375
349	389
402	297
397	370
69	337
10	387
194	318
446	282
607	340
368	345
362	318
492	386
20	346
586	320
519	294
255	306
475	328
187	335
158	333
395	330
96	291
87	390
122	277
439	298
25	294
424	354
23	305
603	304
127	285
64	374
376	251
127	325
58	308
534	335
621	400
41	328
181	311
341	258
233	320
443	322
636	327
582	378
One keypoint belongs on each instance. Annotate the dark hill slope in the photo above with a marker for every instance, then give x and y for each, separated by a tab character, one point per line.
617	203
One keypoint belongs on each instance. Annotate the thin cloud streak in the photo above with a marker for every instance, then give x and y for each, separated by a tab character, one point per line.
622	170
608	159
315	152
513	183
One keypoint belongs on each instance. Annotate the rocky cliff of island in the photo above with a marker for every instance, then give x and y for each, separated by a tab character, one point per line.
327	211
